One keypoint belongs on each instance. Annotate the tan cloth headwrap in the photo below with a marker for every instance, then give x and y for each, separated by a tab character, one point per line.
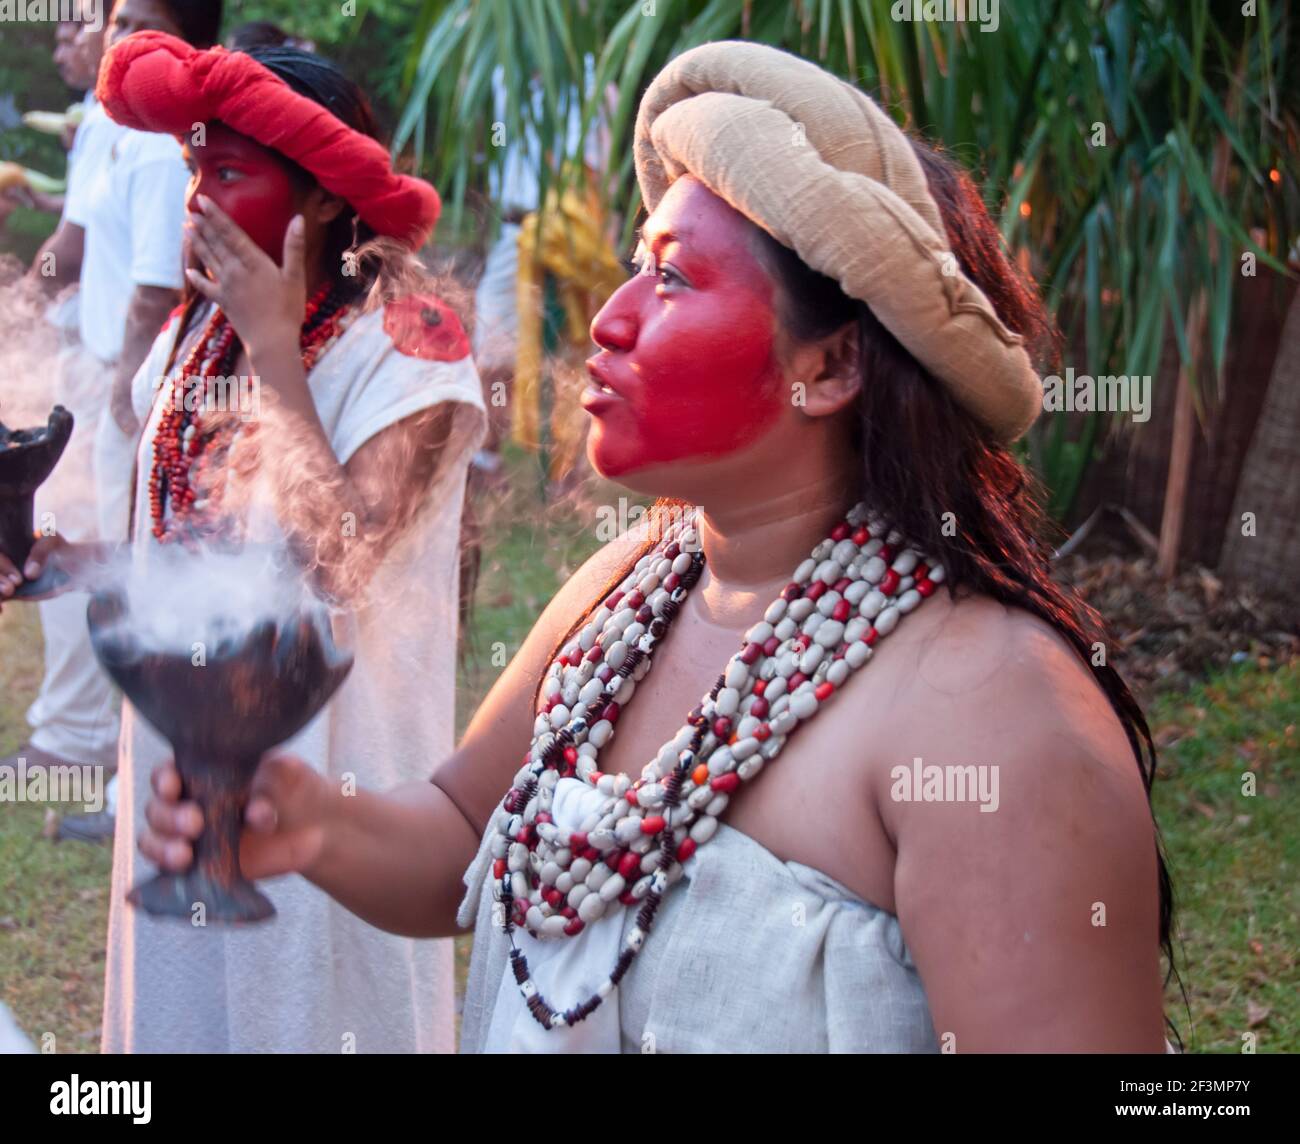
819	166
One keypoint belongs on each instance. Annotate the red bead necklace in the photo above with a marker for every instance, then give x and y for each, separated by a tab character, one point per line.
193	441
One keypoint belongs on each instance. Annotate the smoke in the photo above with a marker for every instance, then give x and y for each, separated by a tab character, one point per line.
357	536
345	541
36	373
225	652
184	602
29	348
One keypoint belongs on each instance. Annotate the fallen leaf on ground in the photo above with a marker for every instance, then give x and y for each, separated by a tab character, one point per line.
1256	1014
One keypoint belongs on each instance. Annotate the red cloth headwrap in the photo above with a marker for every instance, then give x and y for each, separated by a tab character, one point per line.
155	82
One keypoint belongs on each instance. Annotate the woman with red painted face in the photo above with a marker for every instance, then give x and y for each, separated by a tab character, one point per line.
877	794
345	441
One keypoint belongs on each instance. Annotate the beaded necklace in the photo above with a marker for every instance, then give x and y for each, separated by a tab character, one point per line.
854	589
190	448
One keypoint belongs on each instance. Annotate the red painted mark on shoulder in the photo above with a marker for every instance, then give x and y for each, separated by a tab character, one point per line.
424	326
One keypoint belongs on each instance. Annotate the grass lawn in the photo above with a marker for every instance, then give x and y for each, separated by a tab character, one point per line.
53	898
1234	858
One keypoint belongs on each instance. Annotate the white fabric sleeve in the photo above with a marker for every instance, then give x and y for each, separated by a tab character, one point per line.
74	206
84	163
73	210
157	208
399	385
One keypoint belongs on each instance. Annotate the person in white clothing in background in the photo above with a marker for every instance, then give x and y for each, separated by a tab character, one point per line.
73	719
132	274
122	235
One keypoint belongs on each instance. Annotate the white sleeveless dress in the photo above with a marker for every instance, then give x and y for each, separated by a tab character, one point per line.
315	978
748	954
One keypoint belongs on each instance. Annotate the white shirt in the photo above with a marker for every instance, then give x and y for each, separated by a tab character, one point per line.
133	214
91	150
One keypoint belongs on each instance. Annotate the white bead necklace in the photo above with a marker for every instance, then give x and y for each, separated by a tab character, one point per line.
852	590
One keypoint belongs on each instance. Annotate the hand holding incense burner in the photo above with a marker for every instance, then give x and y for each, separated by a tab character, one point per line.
256	689
27	457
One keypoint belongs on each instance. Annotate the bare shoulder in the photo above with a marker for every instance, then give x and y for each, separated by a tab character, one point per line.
582	590
1025	872
999	667
980	683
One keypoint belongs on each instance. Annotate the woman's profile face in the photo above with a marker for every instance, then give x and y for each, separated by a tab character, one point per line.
687	369
246	180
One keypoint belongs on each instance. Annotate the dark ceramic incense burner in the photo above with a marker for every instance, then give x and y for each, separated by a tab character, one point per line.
255	690
27	458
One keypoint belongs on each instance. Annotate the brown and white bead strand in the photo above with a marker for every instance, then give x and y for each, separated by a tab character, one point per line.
853	589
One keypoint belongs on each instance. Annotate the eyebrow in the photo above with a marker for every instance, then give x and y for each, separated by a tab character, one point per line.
661	238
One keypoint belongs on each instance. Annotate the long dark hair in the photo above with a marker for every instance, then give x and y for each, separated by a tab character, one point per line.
926	462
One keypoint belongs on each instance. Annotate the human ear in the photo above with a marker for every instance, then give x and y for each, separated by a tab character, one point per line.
833	377
322	207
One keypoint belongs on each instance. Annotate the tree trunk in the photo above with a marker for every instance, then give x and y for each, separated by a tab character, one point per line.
1131	471
1261	542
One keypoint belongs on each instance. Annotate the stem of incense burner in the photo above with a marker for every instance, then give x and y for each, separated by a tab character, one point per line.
221	787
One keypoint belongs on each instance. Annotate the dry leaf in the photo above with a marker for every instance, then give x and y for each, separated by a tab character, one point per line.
1256	1014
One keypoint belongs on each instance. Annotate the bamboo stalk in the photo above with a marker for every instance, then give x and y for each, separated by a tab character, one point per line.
1180	450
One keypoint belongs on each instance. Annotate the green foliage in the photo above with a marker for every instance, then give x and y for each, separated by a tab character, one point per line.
29	82
369	39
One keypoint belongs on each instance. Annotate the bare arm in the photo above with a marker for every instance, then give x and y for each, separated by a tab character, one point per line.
145	315
400	858
1033	926
58	262
396	859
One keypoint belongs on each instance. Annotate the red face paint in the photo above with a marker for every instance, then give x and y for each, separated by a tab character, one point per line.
688	347
246	180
